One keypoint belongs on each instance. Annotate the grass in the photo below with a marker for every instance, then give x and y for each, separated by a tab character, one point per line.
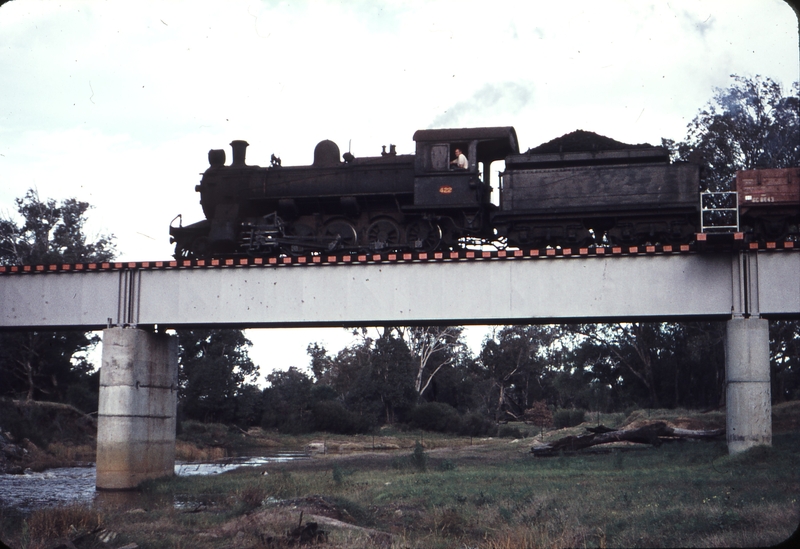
494	495
450	492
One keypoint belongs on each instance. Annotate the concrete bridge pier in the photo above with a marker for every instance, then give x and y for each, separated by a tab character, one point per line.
136	414
747	384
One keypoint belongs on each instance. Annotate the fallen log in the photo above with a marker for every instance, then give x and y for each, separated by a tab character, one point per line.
654	434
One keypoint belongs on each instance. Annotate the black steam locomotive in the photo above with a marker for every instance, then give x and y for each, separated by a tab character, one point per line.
578	190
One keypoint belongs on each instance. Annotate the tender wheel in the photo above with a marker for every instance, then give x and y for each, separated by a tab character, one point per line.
383	234
340	235
772	228
424	235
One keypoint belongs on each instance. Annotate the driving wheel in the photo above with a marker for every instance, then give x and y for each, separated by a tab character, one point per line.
340	235
424	235
383	234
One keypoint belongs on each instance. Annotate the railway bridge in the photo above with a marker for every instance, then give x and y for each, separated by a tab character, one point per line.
135	303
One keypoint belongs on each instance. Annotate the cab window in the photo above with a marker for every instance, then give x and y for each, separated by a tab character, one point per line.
440	157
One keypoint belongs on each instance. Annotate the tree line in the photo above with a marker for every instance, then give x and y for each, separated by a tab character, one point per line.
376	380
426	377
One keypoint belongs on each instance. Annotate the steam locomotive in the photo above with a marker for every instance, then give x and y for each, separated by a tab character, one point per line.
581	189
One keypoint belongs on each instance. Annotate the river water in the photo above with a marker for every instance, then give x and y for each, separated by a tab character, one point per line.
76	485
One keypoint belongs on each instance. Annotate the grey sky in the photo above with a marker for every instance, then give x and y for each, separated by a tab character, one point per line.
117	103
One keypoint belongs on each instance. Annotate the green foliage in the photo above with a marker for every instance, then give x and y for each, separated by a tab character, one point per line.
515	359
331	416
568	418
751	124
435	416
214	366
321	364
211	436
287	402
510	431
784	345
44	365
50	233
85	395
419	459
252	496
338	474
391	372
476	425
45	422
688	494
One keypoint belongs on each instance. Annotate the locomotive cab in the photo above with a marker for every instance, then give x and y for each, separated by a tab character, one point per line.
439	183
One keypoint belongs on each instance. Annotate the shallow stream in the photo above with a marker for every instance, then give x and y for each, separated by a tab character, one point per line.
76	485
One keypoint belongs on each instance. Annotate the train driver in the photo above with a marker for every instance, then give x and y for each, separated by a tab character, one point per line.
461	161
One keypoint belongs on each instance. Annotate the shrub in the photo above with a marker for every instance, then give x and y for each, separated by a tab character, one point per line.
338	475
539	414
251	497
509	431
419	458
476	425
83	398
568	418
333	417
435	416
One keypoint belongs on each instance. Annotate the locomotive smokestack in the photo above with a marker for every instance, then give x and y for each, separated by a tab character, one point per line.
239	152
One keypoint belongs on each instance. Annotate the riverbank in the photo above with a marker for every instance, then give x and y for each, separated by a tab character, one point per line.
36	436
493	493
452	492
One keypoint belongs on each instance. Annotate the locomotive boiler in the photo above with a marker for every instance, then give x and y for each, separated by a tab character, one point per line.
581	189
342	203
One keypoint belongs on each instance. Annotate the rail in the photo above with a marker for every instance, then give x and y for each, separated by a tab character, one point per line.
736	242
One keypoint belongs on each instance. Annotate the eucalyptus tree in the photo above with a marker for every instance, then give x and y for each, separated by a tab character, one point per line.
514	361
751	124
432	348
45	364
214	370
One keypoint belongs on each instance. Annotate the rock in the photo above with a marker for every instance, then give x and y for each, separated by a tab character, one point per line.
12	451
315	448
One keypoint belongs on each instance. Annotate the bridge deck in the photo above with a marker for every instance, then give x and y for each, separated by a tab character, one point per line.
498	287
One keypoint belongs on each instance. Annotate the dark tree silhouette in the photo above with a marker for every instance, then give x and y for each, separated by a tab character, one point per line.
214	371
751	124
41	364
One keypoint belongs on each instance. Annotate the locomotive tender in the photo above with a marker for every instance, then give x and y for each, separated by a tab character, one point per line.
578	190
